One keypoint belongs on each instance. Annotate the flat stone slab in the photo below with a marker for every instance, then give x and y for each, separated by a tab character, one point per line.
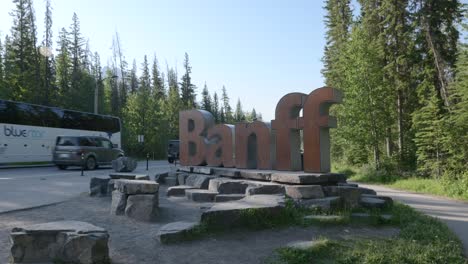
185	169
227	172
98	186
181	177
136	186
128	176
171	181
221	198
178	190
327	203
229	214
160	177
349	195
256	175
201	196
174	232
198	181
202	170
62	241
347	184
307	178
228	186
304	191
369	202
266	188
324	217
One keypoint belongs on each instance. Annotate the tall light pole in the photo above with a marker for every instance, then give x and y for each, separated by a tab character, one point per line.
96	92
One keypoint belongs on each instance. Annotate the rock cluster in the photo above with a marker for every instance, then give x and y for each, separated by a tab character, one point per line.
137	199
99	186
124	164
60	242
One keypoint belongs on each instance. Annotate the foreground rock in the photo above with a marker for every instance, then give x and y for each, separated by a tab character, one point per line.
98	186
60	242
124	164
136	199
230	214
174	232
304	192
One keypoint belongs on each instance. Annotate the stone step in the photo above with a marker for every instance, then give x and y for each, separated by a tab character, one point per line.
307	178
181	177
388	200
228	186
326	204
175	232
128	176
136	186
202	196
202	170
220	198
265	188
256	175
369	202
226	172
170	181
198	181
178	190
160	177
304	191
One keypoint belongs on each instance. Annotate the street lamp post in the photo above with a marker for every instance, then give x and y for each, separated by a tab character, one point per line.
96	92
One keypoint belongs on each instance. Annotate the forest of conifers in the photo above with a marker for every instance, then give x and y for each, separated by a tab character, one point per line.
66	76
402	66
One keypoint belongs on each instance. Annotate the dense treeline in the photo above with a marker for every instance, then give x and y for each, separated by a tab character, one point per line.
148	104
403	70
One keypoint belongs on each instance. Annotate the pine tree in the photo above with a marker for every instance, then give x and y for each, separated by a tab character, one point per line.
122	66
227	110
21	55
133	78
97	73
254	114
76	100
186	86
215	108
63	70
145	78
206	103
157	82
239	116
3	93
47	60
173	104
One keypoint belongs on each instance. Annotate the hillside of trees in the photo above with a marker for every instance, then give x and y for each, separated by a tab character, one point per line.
403	67
62	71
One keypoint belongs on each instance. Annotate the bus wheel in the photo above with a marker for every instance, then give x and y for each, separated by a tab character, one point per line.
62	167
91	163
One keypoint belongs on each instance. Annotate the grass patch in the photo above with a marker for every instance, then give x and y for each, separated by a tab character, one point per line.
422	239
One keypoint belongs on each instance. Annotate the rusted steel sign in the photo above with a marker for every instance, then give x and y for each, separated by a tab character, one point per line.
260	145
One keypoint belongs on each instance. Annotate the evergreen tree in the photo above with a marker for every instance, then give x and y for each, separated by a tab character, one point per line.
145	78
97	73
76	99
2	72
133	78
63	70
186	86
49	91
227	110
21	55
122	66
206	100
173	104
239	112
215	108
254	114
157	82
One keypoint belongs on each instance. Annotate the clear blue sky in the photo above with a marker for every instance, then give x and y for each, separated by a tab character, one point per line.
260	50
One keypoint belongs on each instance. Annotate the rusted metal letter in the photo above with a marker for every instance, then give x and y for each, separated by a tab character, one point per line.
254	145
287	129
316	123
193	125
220	151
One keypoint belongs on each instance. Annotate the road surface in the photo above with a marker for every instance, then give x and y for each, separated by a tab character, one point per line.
451	212
22	188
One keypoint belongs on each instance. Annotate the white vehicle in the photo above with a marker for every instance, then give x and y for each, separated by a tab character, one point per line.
28	132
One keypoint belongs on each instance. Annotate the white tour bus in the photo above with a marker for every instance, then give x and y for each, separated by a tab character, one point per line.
28	132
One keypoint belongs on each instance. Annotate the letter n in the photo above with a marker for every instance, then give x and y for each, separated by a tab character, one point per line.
192	131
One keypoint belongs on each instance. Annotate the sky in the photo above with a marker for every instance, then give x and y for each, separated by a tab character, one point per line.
260	50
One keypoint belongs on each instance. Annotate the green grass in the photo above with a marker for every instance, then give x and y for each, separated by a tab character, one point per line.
422	239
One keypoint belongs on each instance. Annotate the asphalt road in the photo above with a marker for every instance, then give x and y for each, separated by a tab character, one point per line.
451	212
22	188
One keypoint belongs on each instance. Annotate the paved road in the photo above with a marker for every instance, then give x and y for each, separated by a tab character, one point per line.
22	188
453	213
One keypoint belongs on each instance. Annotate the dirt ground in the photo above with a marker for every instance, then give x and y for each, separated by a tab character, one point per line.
135	242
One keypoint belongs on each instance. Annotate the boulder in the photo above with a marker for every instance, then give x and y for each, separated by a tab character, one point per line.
181	178
326	204
265	189
136	186
171	181
227	186
63	241
143	207
304	191
370	203
221	198
124	164
229	214
201	196
198	181
388	200
202	170
349	195
174	232
160	177
98	186
119	202
178	190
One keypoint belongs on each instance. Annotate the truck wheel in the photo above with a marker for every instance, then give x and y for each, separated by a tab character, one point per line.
91	163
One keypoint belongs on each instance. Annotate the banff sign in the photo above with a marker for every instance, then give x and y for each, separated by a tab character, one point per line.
261	145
